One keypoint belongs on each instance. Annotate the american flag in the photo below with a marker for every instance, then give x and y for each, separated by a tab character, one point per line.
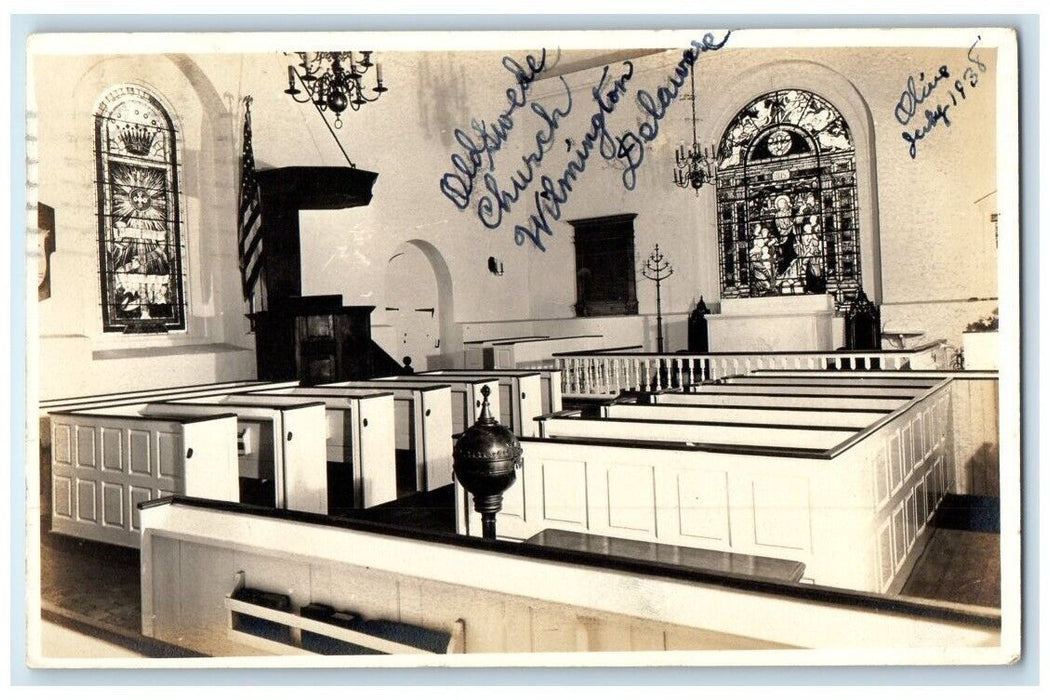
249	219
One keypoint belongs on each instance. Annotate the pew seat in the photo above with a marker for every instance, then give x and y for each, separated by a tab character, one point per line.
691	558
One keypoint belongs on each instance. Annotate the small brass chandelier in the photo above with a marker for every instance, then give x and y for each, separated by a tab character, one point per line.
333	81
694	166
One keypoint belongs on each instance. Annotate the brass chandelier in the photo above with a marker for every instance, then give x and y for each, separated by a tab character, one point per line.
694	165
332	81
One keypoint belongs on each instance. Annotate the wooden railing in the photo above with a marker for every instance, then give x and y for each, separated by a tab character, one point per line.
608	373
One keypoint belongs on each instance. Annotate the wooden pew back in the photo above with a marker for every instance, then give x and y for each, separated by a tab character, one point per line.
104	465
772	400
834	381
478	354
550	383
300	470
422	423
848	390
528	354
466	394
774	415
149	395
509	598
710	433
359	435
520	396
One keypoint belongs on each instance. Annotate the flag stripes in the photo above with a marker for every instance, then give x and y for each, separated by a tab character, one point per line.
250	214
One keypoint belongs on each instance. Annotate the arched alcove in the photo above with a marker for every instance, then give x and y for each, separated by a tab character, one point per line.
418	276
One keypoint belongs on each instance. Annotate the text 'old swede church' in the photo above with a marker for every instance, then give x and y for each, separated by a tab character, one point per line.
734	300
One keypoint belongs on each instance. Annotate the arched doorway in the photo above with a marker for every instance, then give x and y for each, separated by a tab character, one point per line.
418	304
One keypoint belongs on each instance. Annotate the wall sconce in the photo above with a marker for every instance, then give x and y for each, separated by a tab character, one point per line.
496	267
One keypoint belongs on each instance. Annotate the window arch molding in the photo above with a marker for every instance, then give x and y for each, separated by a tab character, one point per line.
138	146
817	78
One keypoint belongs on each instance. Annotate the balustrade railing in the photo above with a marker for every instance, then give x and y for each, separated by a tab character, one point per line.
608	373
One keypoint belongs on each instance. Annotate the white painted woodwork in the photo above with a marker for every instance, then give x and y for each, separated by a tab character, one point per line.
550	383
300	471
478	354
896	379
257	429
192	558
773	400
103	466
696	433
305	467
422	423
737	414
466	395
854	515
803	322
150	395
605	373
359	432
807	389
520	396
875	376
529	354
975	409
981	350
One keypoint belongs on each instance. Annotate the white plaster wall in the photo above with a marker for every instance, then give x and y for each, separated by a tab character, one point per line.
75	357
931	225
929	240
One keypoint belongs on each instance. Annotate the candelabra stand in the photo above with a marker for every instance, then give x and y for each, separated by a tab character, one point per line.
658	269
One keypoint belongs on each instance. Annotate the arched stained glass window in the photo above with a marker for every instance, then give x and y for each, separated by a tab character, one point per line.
137	184
787	200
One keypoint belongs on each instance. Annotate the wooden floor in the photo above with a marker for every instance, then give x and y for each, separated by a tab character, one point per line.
958	566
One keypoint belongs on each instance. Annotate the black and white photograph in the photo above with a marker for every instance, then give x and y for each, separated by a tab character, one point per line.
523	348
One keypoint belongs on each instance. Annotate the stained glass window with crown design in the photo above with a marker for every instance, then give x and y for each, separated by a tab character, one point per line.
787	200
140	247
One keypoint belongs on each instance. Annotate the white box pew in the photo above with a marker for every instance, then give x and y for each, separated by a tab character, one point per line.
148	395
856	515
359	437
849	390
422	423
550	382
772	415
882	381
285	443
537	352
504	597
520	395
813	437
477	354
766	400
465	394
104	465
873	375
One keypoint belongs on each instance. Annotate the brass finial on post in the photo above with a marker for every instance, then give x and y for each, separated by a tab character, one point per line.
484	460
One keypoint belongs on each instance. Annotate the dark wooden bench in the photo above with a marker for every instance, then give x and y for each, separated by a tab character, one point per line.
707	560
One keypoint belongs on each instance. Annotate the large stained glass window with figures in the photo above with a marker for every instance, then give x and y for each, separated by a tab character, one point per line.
140	247
787	200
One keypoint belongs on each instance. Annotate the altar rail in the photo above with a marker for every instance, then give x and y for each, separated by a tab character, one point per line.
608	373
